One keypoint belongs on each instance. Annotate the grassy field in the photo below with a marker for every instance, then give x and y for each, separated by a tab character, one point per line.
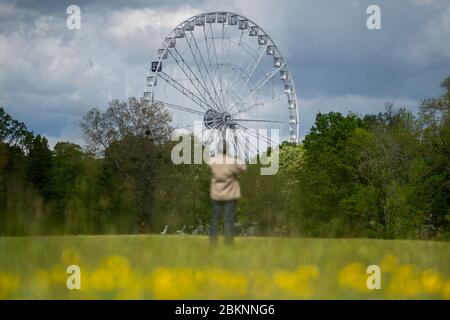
177	267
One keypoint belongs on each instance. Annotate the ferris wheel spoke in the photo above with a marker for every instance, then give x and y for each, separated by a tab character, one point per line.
181	62
217	65
237	81
226	54
269	141
210	66
241	57
219	104
244	145
216	122
222	69
224	65
246	109
260	83
263	80
221	46
204	64
208	73
251	145
260	120
236	74
241	148
233	139
177	107
247	145
239	76
253	60
197	64
183	90
255	66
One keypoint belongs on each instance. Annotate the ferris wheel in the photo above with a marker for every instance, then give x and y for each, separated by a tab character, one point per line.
225	72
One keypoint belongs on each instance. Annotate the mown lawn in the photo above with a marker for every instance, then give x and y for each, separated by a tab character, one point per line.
178	267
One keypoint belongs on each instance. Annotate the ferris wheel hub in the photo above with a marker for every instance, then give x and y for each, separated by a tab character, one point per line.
214	119
226	118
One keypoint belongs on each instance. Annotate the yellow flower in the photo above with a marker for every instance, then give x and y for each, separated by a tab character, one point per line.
40	283
99	280
225	284
404	282
115	277
260	286
183	283
172	283
9	285
389	263
431	281
353	276
446	290
297	283
308	272
58	275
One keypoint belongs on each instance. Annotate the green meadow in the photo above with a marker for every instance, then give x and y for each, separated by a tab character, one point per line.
188	267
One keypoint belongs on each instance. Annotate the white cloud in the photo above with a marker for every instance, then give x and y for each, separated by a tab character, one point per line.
132	22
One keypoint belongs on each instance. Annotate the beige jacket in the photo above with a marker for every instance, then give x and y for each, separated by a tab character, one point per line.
224	183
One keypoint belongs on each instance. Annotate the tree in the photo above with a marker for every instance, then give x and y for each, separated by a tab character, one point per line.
329	170
67	167
137	118
39	165
13	132
432	170
387	150
129	135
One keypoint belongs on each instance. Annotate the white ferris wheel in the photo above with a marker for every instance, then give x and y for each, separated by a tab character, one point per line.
225	72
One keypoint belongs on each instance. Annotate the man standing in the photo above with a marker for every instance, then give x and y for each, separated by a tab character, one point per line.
225	191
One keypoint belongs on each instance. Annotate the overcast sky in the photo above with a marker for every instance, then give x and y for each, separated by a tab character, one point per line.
50	75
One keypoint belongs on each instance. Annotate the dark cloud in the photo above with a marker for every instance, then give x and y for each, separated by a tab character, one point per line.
334	53
58	6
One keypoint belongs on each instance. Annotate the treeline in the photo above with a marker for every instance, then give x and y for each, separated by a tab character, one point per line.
383	176
107	187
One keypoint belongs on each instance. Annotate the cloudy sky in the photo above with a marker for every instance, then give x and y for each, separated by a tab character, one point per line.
50	75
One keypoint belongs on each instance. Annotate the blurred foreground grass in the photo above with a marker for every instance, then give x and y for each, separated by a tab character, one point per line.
187	267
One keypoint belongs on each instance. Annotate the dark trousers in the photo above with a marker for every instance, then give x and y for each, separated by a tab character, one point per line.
229	208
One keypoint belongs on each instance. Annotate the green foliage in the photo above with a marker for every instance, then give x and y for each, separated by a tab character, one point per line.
39	165
129	135
329	171
13	131
67	167
379	176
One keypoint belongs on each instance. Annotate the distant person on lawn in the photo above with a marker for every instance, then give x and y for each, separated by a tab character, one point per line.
225	190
